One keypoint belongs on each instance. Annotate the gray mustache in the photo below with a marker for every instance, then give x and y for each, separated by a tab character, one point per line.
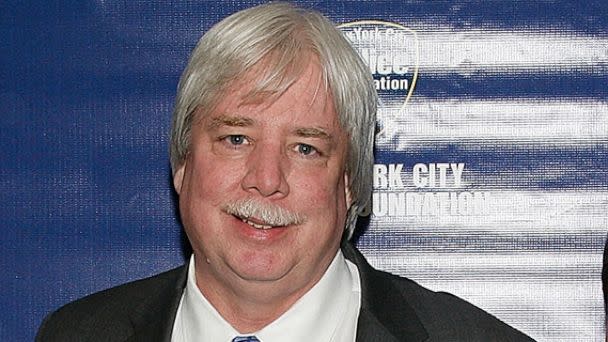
271	214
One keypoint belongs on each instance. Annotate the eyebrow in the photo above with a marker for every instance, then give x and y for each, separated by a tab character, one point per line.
313	132
239	121
232	121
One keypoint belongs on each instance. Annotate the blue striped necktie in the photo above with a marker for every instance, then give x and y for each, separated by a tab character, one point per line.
245	339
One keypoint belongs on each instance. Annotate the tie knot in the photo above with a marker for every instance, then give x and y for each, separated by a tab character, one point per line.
245	339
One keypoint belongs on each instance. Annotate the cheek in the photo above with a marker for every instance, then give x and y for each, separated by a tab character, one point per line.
321	193
206	189
214	181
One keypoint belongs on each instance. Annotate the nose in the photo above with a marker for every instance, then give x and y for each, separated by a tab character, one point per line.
266	172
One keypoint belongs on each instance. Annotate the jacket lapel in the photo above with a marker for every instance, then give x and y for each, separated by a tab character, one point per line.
370	329
153	320
385	314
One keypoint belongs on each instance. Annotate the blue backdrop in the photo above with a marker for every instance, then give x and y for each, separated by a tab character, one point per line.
491	177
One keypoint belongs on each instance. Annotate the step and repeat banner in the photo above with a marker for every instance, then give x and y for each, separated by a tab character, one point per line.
491	175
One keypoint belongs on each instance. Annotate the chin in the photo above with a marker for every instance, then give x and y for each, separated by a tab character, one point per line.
262	269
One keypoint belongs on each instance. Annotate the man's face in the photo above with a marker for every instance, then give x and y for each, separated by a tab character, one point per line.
290	154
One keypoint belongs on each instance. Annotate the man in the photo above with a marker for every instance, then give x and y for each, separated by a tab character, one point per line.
271	153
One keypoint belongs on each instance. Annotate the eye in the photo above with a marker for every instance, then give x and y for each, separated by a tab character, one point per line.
306	150
236	139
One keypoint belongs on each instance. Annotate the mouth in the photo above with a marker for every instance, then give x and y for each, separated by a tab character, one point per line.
257	224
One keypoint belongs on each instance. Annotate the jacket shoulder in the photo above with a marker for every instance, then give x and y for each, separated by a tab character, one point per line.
449	318
110	314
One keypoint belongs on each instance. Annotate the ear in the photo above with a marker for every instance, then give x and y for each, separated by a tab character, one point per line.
347	194
178	178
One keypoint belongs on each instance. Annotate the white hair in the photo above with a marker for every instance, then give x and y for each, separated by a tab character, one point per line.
275	41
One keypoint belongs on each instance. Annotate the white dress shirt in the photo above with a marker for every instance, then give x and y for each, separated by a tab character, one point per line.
327	312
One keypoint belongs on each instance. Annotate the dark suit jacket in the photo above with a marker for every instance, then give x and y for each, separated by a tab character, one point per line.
392	309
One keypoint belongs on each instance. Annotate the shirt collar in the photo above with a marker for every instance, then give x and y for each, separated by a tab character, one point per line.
317	315
201	321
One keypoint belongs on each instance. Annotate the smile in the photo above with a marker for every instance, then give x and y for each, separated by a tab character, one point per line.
256	225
